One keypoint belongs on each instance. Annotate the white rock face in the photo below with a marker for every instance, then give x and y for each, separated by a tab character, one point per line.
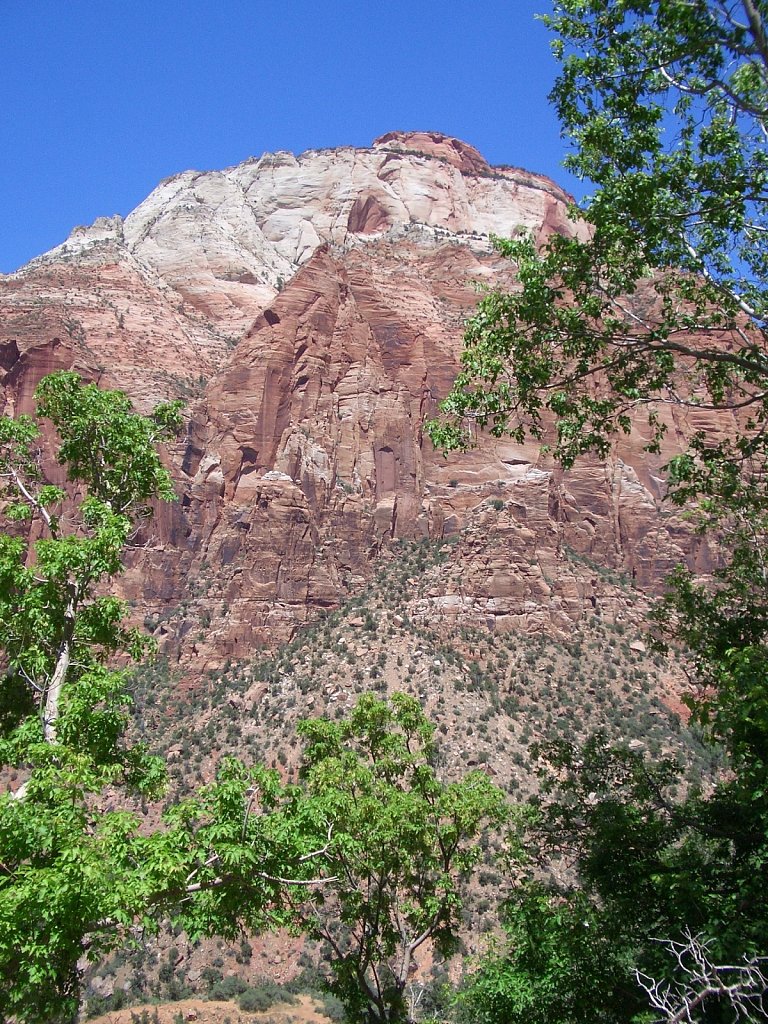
228	240
103	229
192	268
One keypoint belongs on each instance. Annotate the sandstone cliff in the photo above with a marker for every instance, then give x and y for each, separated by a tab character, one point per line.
310	311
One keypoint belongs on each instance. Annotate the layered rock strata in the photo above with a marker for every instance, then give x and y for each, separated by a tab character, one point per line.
310	310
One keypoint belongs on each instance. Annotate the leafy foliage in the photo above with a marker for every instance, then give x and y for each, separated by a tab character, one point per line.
366	853
235	848
656	300
77	878
69	881
661	296
627	864
400	840
562	961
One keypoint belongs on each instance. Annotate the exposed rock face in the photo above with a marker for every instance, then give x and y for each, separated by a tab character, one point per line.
310	308
106	313
225	241
451	151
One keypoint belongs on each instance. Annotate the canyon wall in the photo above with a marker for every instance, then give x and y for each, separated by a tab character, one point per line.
310	312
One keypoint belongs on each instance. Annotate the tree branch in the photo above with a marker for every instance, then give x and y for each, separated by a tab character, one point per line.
757	28
33	501
742	985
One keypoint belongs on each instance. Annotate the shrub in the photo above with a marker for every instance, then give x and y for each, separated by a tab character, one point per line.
227	988
263	995
333	1007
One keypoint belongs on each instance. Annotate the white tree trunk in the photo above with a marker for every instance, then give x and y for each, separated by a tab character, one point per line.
53	692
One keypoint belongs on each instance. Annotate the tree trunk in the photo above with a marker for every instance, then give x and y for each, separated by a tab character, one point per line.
53	692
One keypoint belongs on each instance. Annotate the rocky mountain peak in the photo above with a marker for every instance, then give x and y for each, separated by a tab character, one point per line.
310	310
435	144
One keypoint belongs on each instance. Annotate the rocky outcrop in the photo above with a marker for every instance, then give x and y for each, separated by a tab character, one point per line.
451	151
310	310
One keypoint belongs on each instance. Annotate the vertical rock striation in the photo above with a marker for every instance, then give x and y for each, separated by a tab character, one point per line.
310	310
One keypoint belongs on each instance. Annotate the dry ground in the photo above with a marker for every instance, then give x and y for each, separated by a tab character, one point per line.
200	1011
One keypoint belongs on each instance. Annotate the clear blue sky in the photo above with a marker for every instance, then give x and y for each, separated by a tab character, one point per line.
103	98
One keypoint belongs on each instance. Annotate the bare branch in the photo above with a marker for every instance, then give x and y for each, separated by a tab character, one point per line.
700	981
32	500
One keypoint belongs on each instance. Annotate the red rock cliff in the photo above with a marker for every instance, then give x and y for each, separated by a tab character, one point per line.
310	310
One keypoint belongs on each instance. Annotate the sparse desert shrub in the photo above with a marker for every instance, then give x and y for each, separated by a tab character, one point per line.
333	1007
228	988
263	995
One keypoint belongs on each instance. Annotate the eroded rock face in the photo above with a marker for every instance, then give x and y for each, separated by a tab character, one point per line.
311	311
107	314
451	151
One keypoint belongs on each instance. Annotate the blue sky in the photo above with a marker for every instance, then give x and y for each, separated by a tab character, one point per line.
104	98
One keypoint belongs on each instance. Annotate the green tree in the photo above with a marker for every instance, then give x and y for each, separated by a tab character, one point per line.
628	865
366	853
76	878
235	854
563	959
663	305
659	300
665	102
399	843
68	884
